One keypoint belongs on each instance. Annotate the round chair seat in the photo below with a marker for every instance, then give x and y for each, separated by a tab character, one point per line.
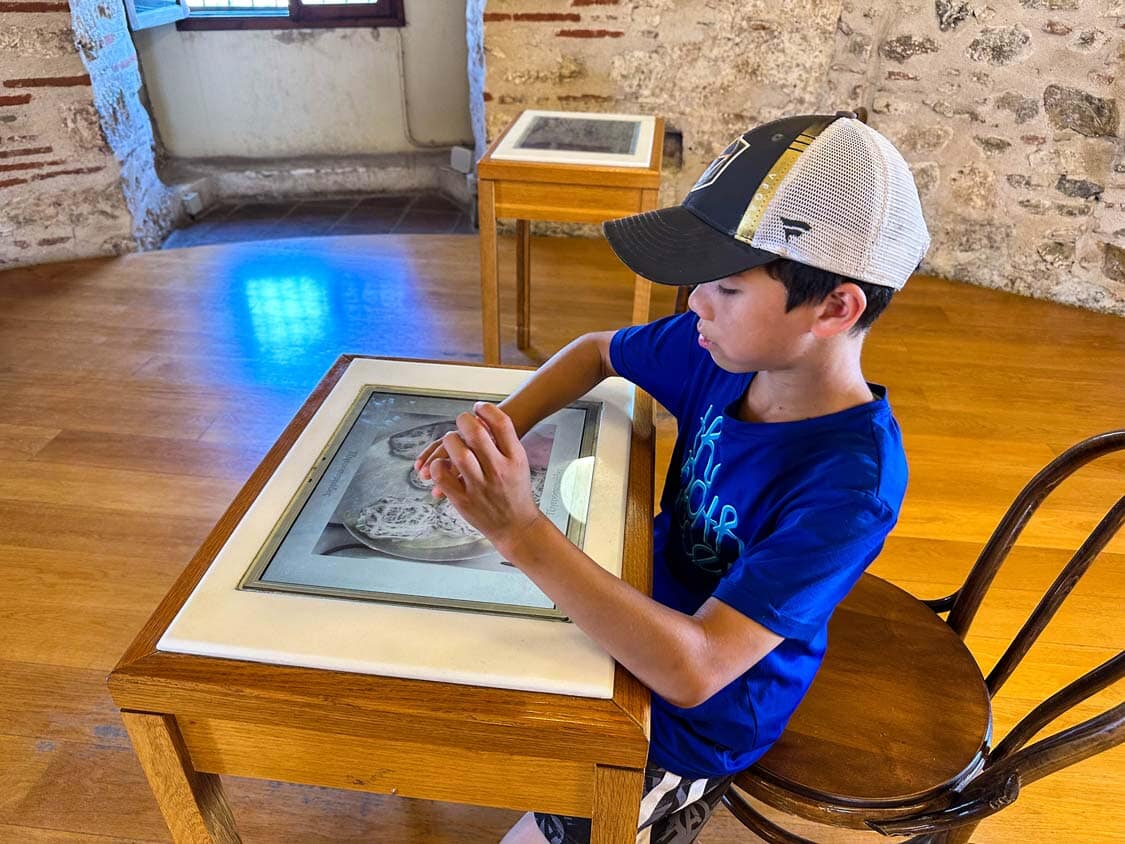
898	712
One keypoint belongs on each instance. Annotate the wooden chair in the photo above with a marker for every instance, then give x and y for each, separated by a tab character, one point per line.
895	733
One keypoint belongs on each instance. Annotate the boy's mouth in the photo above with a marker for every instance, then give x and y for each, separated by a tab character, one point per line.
704	342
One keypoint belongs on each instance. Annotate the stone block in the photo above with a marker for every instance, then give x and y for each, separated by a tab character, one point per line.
1024	108
1000	45
950	13
1080	188
904	47
1056	253
1073	108
992	144
1113	263
927	175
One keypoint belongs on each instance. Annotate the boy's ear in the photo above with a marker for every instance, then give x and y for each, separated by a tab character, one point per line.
839	311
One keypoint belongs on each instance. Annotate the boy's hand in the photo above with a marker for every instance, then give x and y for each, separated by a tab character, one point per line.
434	451
482	469
423	463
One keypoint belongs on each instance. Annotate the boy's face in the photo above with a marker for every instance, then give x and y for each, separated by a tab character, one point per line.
744	325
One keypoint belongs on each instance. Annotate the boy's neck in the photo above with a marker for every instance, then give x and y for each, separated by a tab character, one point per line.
805	392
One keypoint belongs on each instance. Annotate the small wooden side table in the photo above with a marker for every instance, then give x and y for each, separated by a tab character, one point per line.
194	718
568	193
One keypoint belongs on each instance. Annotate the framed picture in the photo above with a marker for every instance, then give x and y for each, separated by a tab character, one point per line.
345	561
366	526
591	138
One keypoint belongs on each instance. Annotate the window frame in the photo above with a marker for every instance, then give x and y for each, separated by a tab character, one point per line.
301	16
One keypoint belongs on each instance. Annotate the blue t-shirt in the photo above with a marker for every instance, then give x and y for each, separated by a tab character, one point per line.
777	520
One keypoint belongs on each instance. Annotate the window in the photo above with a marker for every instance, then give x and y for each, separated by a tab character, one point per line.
144	14
291	14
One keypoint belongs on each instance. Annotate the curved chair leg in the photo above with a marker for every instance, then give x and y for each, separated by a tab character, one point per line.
758	823
771	833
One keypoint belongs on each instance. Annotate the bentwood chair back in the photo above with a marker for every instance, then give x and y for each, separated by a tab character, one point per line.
895	734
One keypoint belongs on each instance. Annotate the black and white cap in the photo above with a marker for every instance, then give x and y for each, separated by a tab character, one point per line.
824	190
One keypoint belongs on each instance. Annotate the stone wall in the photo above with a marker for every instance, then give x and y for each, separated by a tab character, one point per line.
1007	111
71	184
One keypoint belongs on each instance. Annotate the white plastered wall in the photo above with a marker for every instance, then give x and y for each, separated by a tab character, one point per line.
320	92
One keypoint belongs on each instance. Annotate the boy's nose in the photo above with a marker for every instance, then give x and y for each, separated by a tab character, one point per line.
695	300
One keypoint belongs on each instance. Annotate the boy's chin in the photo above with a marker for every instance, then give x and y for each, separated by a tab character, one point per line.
740	368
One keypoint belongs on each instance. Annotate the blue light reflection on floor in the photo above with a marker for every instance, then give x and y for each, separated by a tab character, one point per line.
287	315
294	312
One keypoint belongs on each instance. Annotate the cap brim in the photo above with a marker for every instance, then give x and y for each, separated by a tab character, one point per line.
673	246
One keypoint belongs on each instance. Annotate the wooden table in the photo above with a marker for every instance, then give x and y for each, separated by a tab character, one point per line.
192	718
573	193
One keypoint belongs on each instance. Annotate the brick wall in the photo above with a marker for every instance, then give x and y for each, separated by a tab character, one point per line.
1008	113
73	183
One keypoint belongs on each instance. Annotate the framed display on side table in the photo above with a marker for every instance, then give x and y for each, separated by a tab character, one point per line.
579	137
345	560
339	627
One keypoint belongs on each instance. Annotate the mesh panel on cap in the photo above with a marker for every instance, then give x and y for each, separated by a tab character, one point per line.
902	240
849	205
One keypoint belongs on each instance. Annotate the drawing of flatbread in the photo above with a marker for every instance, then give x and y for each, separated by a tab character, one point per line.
410	442
390	509
418	482
396	518
452	522
387	507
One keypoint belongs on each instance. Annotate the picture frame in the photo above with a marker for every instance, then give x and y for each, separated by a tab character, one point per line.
572	137
364	506
241	609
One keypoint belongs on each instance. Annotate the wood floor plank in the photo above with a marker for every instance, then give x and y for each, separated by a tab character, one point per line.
33	835
95	530
113	454
88	789
58	703
930	568
52	633
18	442
25	760
83	578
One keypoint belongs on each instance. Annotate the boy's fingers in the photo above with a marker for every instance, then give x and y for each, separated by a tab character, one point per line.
463	459
422	464
500	424
446	477
476	435
426	453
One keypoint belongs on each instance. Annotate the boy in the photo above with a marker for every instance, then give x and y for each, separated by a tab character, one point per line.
788	470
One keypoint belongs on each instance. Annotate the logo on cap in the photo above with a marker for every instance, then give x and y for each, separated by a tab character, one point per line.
794	228
716	168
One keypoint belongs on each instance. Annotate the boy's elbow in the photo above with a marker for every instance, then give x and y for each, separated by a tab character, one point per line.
691	691
600	342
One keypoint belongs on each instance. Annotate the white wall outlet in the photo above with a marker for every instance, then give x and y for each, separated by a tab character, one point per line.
461	159
193	203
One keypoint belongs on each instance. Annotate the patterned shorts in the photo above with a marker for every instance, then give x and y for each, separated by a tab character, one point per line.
673	810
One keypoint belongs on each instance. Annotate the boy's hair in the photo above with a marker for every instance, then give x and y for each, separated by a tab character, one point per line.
805	284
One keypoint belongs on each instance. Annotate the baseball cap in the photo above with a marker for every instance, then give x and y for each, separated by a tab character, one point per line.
824	190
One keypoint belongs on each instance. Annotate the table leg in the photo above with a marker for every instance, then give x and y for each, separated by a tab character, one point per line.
642	297
523	284
192	803
682	294
642	287
617	803
489	272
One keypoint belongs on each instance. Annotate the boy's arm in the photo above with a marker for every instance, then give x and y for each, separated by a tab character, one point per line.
685	659
569	374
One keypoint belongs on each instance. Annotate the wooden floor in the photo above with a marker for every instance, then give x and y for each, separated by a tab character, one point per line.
136	394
